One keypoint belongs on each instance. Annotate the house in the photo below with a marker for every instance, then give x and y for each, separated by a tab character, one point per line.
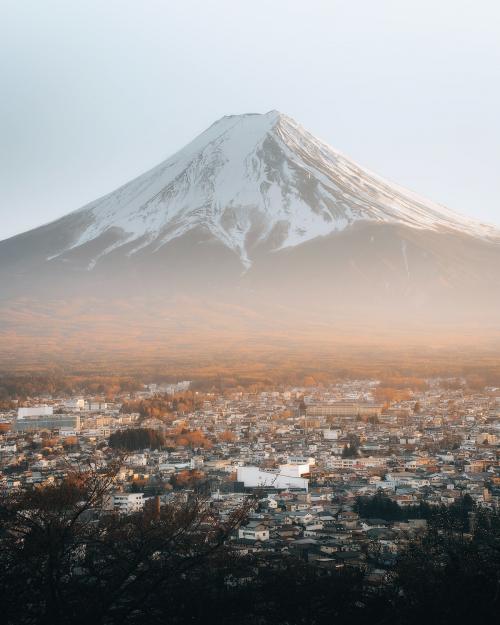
254	530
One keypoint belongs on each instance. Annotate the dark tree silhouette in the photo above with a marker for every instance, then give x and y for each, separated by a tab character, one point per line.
134	439
63	561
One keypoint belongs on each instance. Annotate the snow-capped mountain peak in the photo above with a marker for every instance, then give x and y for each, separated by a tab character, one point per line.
254	181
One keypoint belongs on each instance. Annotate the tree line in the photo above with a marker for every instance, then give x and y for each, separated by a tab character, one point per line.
381	506
134	439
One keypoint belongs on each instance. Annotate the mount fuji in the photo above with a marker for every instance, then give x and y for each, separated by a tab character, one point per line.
261	220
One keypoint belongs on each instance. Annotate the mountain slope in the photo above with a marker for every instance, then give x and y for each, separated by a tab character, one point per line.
252	181
259	214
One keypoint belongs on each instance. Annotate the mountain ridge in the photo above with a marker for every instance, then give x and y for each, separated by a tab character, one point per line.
253	180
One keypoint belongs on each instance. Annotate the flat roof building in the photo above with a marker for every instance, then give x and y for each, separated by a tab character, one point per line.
344	409
34	411
48	422
253	477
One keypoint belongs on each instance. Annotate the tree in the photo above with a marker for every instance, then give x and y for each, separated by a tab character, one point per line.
448	577
63	561
227	436
187	478
351	449
379	506
136	439
194	439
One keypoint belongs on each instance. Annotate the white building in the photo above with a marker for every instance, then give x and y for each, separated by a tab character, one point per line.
48	422
395	480
294	470
254	531
253	477
35	411
332	434
336	462
304	460
75	404
126	503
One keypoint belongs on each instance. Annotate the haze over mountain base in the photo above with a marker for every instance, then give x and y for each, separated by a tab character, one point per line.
84	336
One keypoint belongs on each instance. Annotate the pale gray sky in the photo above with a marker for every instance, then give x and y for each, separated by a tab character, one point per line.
93	92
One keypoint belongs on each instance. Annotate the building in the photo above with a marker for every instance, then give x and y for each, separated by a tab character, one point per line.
295	469
48	422
254	531
97	406
126	503
75	404
35	411
253	477
332	434
344	409
337	462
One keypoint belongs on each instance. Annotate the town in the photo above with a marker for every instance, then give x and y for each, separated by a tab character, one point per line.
340	475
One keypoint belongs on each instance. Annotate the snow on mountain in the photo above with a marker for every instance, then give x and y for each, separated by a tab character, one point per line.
255	230
255	181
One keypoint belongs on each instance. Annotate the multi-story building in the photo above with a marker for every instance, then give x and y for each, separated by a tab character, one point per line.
126	502
34	411
344	409
48	422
